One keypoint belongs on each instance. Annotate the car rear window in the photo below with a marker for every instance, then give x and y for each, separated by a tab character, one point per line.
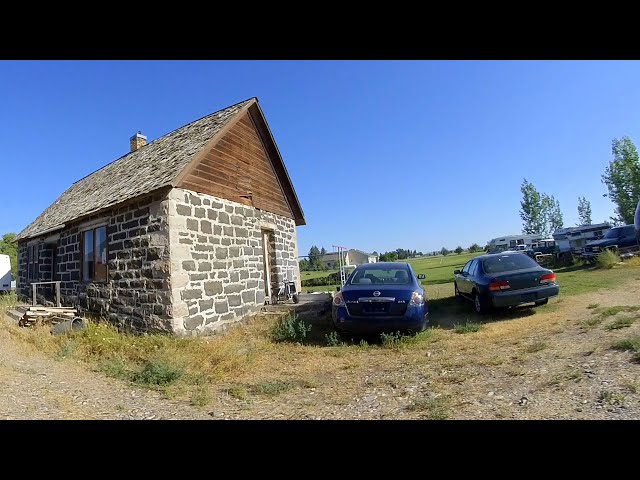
507	263
380	276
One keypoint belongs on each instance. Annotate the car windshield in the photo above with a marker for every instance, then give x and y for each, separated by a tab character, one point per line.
507	263
380	276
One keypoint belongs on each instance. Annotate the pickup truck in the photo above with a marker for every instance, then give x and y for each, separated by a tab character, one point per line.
617	238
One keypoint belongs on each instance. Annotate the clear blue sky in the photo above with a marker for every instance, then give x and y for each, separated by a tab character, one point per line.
383	154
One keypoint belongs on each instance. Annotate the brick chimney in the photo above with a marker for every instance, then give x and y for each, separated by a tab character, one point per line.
138	141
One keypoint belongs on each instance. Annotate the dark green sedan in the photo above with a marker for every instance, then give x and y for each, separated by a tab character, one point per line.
504	280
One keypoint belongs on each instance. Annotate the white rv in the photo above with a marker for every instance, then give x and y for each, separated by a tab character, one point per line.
6	278
511	242
572	239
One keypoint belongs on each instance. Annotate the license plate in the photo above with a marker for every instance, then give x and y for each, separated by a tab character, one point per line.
528	297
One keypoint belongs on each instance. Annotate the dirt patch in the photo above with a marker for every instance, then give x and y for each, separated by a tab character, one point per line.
551	362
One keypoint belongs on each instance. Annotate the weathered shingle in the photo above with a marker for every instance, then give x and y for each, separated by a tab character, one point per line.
151	167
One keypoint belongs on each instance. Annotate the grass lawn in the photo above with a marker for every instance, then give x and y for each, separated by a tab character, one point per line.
316	274
440	269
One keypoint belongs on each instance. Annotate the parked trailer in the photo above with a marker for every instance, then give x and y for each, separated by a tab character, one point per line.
570	240
6	277
513	242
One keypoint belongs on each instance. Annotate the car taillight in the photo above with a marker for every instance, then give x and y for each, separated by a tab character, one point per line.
338	301
416	299
497	286
548	278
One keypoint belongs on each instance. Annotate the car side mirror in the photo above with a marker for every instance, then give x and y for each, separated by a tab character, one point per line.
422	276
457	272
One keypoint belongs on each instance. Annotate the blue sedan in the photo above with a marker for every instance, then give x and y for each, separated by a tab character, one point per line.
504	280
378	297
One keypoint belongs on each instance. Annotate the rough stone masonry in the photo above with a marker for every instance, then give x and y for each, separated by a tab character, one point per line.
217	259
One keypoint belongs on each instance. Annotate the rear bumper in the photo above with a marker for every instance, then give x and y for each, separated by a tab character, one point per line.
413	319
525	295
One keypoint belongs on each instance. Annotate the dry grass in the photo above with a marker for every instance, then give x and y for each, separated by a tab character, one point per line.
633	262
246	370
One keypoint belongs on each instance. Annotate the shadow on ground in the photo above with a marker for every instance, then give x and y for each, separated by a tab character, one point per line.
449	312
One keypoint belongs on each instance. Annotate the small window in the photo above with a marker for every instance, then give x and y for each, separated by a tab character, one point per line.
520	241
512	243
94	255
32	262
473	267
467	266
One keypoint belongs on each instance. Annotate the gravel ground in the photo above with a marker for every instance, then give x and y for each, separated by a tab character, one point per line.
33	386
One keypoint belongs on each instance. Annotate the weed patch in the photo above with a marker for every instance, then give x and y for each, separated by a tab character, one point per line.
289	329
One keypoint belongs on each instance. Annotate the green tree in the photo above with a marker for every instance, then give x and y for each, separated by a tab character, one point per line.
9	246
314	258
552	214
474	248
531	209
584	211
459	250
622	178
444	251
323	251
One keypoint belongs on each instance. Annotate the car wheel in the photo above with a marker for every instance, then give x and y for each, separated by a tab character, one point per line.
479	304
542	302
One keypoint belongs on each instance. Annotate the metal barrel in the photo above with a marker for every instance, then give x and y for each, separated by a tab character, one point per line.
67	326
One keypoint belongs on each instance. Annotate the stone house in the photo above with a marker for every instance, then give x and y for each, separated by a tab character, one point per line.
184	234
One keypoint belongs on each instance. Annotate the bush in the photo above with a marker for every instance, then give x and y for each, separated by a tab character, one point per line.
289	329
333	339
158	372
331	279
607	259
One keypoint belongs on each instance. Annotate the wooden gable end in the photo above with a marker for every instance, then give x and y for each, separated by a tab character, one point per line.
238	168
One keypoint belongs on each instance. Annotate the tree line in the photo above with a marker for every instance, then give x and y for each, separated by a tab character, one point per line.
541	214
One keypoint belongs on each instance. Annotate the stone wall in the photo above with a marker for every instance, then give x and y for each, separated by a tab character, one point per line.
138	293
217	269
178	262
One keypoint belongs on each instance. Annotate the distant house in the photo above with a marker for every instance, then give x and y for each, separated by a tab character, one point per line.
350	257
184	235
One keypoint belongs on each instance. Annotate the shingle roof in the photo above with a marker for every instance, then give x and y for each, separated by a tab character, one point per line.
151	167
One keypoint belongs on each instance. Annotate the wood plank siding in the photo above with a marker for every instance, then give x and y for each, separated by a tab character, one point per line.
238	168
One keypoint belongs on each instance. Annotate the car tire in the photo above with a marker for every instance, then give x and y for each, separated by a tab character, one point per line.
480	304
542	302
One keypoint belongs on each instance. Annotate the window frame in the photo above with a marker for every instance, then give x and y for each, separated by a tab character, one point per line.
473	267
467	266
93	229
32	261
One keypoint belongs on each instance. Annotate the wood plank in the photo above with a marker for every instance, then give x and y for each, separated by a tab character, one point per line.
212	175
220	193
268	174
198	157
